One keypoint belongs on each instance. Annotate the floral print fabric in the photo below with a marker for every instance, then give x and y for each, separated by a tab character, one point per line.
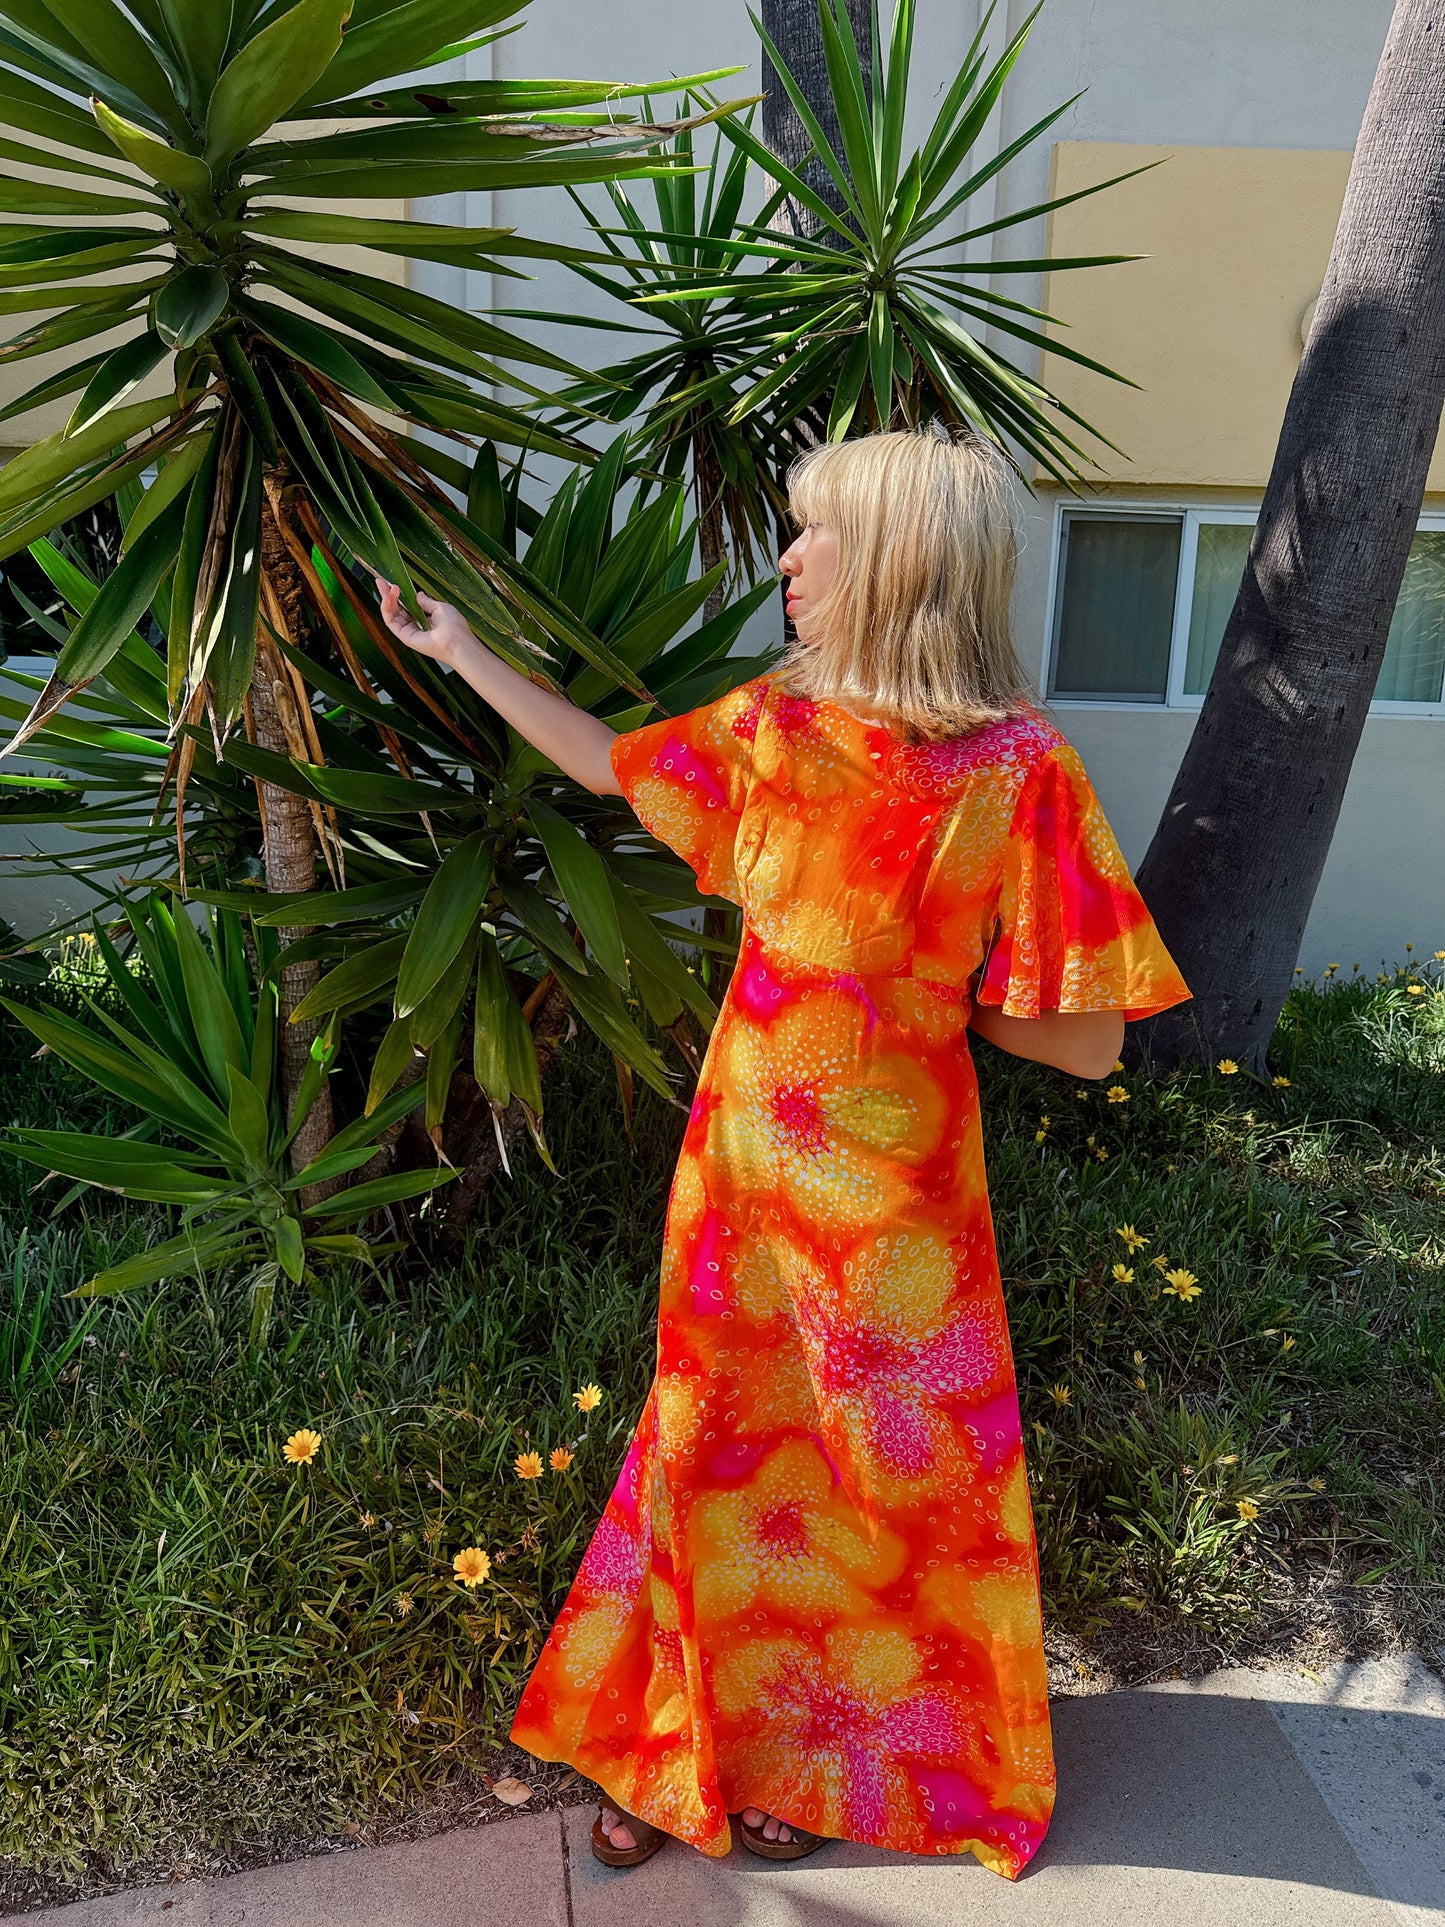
815	1587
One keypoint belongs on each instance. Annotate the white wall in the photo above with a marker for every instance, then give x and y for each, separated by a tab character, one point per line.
1269	73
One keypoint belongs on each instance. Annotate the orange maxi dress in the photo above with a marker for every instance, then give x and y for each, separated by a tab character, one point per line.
815	1587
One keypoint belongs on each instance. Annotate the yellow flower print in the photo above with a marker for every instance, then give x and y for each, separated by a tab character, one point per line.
801	1122
788	1542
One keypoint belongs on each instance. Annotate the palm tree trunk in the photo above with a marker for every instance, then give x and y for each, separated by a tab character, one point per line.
793	28
287	827
1237	857
712	545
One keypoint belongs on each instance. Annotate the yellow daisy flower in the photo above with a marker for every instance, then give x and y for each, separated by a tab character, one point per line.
1281	1083
561	1458
301	1448
1287	1344
588	1399
471	1566
1227	1067
1160	1261
1123	1274
1117	1094
1061	1395
528	1465
1133	1240
1415	990
1182	1283
1248	1509
1118	1063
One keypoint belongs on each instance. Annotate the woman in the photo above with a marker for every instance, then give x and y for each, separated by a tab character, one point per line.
813	1600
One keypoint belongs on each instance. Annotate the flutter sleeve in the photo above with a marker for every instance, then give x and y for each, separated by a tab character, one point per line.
686	778
1073	932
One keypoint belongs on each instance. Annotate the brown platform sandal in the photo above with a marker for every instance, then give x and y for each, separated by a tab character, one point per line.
648	1838
802	1842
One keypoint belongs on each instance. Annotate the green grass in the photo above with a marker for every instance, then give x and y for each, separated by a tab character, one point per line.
200	1644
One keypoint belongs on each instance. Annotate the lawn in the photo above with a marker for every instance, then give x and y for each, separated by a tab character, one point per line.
205	1649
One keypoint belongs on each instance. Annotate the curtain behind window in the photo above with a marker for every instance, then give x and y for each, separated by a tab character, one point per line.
1116	607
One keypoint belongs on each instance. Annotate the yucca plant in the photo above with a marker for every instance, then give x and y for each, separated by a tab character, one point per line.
701	353
477	897
875	321
164	148
197	1052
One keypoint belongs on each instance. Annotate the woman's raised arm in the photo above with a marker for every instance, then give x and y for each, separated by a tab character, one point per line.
575	741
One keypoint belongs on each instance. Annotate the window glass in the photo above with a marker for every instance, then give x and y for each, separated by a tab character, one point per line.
1218	565
1116	607
1413	670
1414	664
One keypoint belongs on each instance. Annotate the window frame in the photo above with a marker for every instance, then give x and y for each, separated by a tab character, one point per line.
1189	515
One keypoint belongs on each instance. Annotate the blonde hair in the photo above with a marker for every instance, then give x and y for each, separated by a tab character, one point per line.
915	630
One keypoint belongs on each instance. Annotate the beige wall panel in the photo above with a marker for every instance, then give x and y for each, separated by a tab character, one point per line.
1237	240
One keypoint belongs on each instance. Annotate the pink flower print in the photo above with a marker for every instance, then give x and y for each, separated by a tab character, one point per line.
857	1712
614	1564
889	1344
793	716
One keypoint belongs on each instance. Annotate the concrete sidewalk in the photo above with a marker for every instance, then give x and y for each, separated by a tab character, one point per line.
1245	1799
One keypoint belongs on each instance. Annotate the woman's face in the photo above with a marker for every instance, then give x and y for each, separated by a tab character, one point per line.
810	566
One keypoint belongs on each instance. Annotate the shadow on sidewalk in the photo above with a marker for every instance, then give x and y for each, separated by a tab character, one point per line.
1174	1808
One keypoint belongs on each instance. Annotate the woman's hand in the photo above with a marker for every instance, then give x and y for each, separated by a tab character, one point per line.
570	737
447	631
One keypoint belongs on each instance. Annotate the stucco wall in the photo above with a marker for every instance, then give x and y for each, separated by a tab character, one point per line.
1285	75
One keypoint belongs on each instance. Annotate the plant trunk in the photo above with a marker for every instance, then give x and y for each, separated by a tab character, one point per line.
793	28
287	830
1237	857
712	545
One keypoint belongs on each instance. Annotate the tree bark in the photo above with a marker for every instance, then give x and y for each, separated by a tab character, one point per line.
711	527
793	27
287	831
1238	854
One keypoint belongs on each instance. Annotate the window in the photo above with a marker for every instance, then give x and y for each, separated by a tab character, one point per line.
1143	597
